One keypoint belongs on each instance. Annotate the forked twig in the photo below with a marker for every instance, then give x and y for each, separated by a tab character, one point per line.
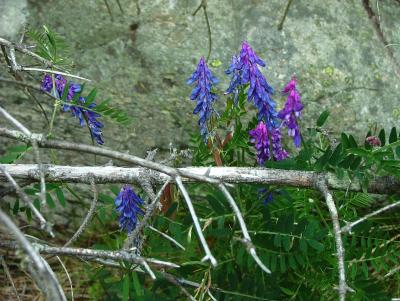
349	226
88	216
247	239
196	223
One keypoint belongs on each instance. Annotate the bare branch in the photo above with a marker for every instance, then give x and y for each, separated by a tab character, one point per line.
114	174
323	188
93	255
88	216
247	239
196	222
40	271
349	226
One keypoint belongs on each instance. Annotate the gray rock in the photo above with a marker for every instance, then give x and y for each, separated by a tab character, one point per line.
141	58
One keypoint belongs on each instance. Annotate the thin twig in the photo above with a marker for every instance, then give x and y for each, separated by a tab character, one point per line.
40	271
54	72
323	188
148	269
43	223
68	276
203	5
174	281
280	26
349	226
88	216
196	223
35	147
167	237
247	239
8	274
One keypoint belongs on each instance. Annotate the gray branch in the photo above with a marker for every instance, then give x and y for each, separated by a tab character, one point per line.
113	174
321	185
93	255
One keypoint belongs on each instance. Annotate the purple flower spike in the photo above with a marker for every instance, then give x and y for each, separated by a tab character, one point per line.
244	70
203	95
94	125
128	205
277	149
261	137
292	110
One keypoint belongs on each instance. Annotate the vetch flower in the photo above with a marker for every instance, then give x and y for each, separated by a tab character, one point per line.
266	140
80	113
203	95
244	70
266	195
128	205
260	138
277	148
292	110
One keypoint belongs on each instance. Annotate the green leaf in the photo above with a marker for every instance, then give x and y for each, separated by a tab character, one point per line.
393	135
334	159
49	201
345	140
292	262
125	287
322	118
287	291
316	245
303	245
136	285
323	160
277	241
354	165
352	142
60	197
91	97
282	263
382	137
286	242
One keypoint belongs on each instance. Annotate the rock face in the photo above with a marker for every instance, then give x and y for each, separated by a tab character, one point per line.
141	56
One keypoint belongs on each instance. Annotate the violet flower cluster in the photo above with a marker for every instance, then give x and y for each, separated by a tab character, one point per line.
266	141
203	95
128	206
292	110
82	114
244	70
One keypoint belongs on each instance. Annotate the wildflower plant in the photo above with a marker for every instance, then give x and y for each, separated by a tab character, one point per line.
69	90
203	95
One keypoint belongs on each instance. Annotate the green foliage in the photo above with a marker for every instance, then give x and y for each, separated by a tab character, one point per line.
50	46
